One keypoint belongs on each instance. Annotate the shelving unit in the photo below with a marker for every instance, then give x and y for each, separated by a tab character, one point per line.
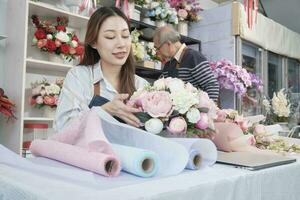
27	64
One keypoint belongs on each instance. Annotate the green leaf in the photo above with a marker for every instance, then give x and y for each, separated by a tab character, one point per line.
143	117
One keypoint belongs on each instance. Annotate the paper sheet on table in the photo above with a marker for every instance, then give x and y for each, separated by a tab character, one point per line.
173	157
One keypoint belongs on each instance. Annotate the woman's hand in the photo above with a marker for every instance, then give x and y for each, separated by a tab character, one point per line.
118	108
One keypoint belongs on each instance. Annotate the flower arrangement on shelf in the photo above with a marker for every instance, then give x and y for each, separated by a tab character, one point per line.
179	107
151	52
55	39
137	47
161	11
45	93
232	77
138	2
187	10
279	108
7	107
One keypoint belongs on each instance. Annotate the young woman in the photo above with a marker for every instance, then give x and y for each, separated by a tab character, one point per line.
105	76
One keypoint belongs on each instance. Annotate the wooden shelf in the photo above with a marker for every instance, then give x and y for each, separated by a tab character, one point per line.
43	9
2	37
185	39
38	119
35	64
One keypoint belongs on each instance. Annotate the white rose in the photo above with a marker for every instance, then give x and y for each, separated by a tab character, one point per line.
183	100
154	125
62	36
193	115
151	45
159	84
175	85
52	89
74	44
49	36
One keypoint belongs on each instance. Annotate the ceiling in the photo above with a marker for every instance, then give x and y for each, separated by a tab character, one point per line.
285	12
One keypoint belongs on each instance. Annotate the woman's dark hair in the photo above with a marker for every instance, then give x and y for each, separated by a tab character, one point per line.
91	55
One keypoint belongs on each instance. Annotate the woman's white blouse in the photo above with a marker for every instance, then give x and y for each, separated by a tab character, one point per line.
78	91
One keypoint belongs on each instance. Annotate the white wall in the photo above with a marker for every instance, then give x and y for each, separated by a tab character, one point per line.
2	42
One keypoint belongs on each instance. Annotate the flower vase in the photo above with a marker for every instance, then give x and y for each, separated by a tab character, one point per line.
182	28
49	112
55	58
160	23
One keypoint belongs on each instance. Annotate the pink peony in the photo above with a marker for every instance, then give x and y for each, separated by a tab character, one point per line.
204	100
49	100
157	104
177	126
203	122
39	100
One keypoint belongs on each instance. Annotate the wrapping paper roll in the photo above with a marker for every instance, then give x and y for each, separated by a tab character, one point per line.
172	156
136	161
97	162
202	152
82	144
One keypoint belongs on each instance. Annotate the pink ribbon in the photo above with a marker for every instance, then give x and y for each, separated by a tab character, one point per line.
249	7
125	6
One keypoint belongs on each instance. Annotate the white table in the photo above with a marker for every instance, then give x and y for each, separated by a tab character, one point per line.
217	182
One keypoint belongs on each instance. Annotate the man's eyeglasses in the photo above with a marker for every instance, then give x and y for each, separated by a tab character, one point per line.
158	48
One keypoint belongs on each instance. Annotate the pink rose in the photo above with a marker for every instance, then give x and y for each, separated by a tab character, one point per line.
182	14
157	104
49	100
203	122
39	100
177	126
72	51
41	43
221	116
57	43
259	129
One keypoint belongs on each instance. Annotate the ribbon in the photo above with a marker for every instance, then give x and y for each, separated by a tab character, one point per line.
125	7
251	5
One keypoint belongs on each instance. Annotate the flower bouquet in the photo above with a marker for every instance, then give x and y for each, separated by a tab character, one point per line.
187	10
45	93
279	108
232	77
161	11
55	39
6	106
179	107
138	48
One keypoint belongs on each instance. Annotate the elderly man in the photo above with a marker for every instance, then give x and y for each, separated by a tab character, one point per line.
184	63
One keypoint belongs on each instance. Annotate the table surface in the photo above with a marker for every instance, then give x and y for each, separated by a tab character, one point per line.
211	183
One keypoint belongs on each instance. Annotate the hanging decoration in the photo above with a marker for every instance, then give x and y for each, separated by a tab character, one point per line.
125	6
251	5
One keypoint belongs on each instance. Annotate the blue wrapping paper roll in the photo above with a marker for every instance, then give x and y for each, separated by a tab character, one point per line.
195	159
140	162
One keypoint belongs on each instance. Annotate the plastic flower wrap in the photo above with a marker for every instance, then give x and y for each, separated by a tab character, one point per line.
232	77
279	108
55	38
181	108
187	10
45	93
161	10
262	139
137	47
7	107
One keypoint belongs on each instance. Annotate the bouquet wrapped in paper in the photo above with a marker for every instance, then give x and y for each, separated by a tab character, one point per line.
179	107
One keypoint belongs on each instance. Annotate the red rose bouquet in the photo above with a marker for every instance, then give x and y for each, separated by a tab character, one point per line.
55	38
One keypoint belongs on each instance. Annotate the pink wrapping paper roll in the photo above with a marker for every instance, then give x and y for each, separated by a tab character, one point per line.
82	144
97	162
